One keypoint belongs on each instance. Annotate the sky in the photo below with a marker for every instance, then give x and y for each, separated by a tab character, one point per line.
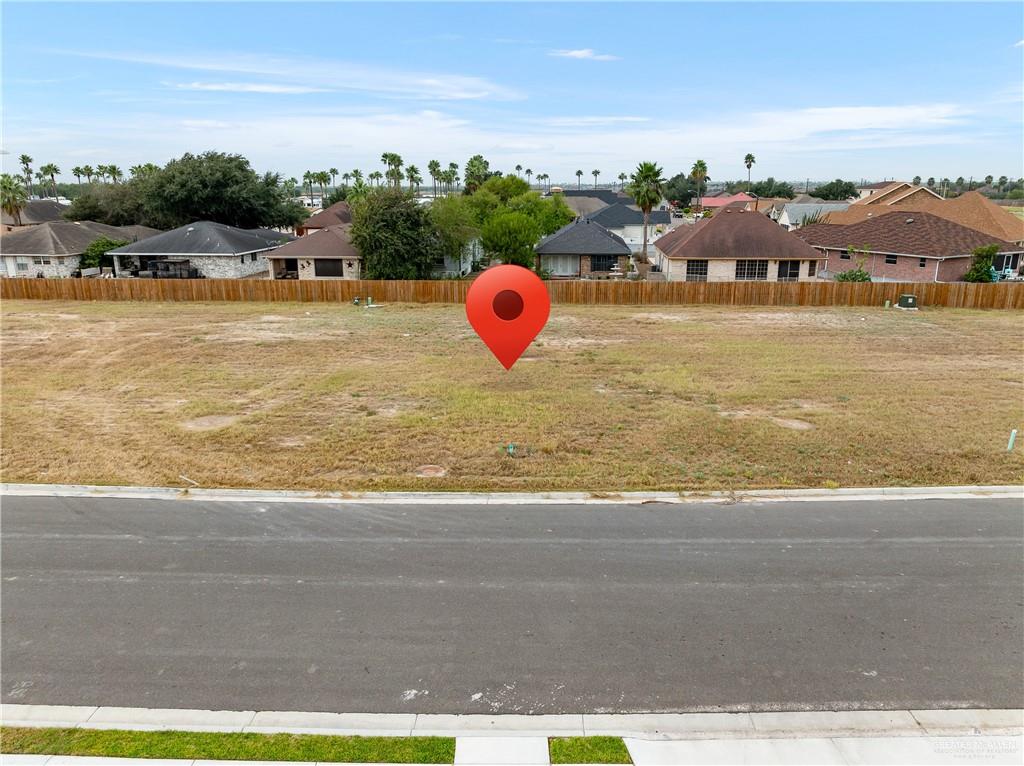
814	90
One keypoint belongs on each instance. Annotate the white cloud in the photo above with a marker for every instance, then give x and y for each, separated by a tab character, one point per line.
1019	44
588	54
246	87
575	122
327	74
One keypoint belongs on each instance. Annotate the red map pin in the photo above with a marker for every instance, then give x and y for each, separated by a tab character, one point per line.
507	306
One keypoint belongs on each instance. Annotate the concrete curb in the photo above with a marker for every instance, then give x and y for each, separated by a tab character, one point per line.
648	726
512	498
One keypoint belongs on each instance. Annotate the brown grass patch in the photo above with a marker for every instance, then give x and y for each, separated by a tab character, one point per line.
332	397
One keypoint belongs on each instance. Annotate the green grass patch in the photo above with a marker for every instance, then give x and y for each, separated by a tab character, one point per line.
227	746
588	750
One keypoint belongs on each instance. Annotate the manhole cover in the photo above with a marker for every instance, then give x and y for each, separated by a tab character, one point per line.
431	471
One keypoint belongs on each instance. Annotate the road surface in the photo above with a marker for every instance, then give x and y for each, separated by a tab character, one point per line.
512	609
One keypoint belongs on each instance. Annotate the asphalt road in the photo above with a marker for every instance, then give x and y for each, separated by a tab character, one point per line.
513	609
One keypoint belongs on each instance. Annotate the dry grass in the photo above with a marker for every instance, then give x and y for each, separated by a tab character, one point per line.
334	397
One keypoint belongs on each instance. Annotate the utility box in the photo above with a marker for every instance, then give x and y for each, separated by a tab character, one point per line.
907	301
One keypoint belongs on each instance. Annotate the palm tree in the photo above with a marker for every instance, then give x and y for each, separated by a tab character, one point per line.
376	176
749	162
916	180
357	176
699	173
323	178
595	174
518	169
1003	180
307	179
51	170
579	179
115	173
345	178
88	172
434	168
13	196
622	180
40	181
76	171
541	178
647	187
334	176
988	180
26	168
529	175
931	182
412	174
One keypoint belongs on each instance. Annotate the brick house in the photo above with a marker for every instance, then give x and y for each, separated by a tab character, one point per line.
205	249
735	245
325	253
904	246
53	249
583	249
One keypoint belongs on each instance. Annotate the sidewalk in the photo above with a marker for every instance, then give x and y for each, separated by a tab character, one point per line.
853	737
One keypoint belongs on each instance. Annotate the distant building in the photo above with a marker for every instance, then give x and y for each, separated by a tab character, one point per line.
206	249
54	248
735	245
895	192
906	246
583	249
339	212
627	222
794	214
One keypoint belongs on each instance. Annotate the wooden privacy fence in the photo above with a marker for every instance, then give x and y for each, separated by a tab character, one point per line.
594	292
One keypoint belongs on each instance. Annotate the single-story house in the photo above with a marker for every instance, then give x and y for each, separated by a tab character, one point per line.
583	249
627	222
897	191
971	209
721	200
339	212
866	189
735	245
204	249
35	212
325	253
54	248
905	246
794	214
585	202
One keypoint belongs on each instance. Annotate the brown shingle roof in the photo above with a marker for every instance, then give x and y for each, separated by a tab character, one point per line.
735	234
339	212
332	242
973	210
904	232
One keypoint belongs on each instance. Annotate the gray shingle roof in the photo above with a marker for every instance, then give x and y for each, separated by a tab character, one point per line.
66	237
206	238
618	215
797	211
583	237
37	211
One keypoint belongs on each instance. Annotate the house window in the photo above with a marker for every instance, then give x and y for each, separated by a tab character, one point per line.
922	262
41	260
328	267
22	264
844	255
1005	261
752	270
812	268
696	271
602	262
891	260
789	271
241	259
252	257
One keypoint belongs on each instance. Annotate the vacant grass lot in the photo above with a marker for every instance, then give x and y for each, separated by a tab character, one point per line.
336	397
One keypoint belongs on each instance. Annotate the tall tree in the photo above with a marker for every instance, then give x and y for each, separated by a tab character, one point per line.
595	174
395	236
529	175
51	170
345	178
647	186
334	176
26	168
519	169
931	182
88	172
699	173
376	176
13	197
749	161
837	190
1003	180
115	173
622	180
77	172
988	180
579	179
916	181
434	168
412	174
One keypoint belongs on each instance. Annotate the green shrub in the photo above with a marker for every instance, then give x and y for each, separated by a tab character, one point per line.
981	267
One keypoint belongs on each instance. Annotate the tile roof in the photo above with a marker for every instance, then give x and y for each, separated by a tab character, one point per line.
339	212
206	238
66	237
618	215
583	237
37	211
331	242
735	234
904	232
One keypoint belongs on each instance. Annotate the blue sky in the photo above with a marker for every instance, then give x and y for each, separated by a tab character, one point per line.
819	90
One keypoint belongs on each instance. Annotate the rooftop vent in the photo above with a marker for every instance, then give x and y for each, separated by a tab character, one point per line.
909	220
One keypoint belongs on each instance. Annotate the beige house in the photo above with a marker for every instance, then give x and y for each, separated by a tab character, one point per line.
735	246
325	253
